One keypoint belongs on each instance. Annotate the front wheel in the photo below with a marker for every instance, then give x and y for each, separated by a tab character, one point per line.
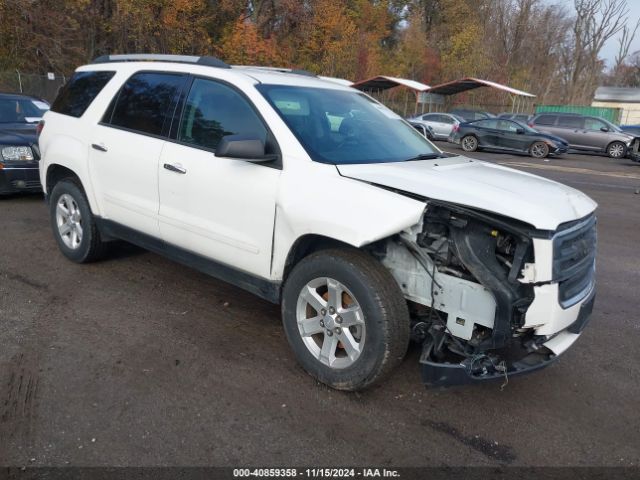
345	318
469	143
539	150
616	150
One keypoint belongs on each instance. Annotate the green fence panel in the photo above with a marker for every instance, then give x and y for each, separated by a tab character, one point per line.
611	114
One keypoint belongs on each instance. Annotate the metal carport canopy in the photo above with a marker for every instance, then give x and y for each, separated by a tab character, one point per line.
383	82
469	83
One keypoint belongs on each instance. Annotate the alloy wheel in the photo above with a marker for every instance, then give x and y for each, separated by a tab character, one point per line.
69	221
331	322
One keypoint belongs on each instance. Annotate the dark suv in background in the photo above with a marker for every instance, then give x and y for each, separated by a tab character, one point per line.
591	134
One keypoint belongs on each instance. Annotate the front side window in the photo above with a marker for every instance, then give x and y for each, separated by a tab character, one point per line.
346	127
81	89
594	124
508	126
214	110
144	102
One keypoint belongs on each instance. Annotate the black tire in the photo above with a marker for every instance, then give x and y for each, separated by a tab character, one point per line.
539	150
616	150
91	247
384	308
469	143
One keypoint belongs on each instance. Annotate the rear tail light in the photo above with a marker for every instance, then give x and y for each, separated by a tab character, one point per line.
40	127
456	127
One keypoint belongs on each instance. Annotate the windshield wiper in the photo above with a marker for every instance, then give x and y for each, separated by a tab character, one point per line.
426	156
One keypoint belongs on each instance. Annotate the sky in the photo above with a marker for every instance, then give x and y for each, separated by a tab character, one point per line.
610	49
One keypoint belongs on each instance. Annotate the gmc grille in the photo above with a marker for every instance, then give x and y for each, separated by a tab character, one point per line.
574	260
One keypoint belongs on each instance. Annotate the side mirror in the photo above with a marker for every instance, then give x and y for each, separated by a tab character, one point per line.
243	147
520	131
604	129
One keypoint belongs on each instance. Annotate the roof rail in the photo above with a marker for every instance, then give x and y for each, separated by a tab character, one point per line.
158	57
295	71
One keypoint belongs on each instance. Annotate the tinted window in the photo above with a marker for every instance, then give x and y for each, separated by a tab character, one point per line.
446	119
571	122
486	123
81	89
144	102
546	120
508	126
594	124
214	110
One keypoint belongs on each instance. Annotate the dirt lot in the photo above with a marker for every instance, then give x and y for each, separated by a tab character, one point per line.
140	361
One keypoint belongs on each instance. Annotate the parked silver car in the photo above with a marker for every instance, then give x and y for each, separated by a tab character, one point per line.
441	123
593	134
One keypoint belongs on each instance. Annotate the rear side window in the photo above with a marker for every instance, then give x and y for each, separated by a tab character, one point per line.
571	122
145	102
81	89
486	123
546	120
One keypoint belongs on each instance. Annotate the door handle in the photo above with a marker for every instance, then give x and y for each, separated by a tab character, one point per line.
175	168
99	147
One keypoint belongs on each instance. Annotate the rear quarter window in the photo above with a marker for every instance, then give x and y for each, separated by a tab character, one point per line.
78	93
144	103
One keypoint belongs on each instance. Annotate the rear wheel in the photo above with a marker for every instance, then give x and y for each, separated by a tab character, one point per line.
73	224
539	150
616	150
469	143
345	318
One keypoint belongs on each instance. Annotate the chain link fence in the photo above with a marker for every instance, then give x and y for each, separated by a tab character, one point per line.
42	86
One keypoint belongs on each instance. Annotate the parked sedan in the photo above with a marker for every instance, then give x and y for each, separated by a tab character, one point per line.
19	117
440	123
506	136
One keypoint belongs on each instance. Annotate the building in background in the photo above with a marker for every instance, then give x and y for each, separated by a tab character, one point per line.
627	100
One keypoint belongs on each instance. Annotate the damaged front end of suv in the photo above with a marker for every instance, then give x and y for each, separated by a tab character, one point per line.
491	296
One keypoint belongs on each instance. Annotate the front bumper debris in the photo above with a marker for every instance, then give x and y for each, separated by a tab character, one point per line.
501	364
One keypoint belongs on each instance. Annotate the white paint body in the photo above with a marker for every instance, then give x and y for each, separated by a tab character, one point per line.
249	216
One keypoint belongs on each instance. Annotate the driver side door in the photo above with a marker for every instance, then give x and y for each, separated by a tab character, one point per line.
219	208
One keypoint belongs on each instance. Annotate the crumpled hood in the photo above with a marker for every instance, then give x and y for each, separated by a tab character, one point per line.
543	203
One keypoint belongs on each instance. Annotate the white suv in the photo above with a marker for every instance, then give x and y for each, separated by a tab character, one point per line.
311	194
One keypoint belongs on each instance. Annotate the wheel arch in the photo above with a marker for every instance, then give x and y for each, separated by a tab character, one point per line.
308	244
624	146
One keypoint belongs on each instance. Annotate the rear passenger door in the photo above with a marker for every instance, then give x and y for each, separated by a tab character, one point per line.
220	208
126	146
571	128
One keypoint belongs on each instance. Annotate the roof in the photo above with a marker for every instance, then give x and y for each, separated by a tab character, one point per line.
470	83
253	74
382	82
617	94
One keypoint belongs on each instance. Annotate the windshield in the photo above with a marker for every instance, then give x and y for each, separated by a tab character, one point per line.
21	110
342	127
